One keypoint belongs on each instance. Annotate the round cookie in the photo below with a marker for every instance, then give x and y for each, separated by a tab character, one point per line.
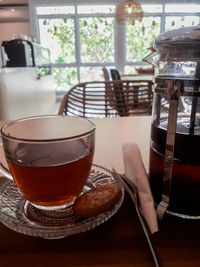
97	200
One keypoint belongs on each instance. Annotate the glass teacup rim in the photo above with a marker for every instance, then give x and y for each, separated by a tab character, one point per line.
3	134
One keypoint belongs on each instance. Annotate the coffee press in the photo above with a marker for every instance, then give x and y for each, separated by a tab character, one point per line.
174	172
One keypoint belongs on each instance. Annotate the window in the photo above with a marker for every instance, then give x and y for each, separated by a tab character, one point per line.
139	38
83	38
175	22
186	15
59	36
96	39
182	8
157	19
96	9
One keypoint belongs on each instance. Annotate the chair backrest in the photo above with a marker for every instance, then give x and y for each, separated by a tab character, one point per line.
117	95
115	74
92	99
89	99
119	92
106	74
110	92
111	74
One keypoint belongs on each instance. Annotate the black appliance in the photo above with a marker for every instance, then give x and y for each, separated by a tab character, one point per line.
24	53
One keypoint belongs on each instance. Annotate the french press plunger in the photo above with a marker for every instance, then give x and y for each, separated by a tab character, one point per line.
174	172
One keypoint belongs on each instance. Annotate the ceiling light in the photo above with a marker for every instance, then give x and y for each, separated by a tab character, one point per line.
129	11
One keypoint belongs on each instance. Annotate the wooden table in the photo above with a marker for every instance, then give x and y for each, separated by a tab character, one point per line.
119	241
112	133
136	77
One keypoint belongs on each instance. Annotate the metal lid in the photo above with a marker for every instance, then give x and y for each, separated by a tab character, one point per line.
179	45
186	35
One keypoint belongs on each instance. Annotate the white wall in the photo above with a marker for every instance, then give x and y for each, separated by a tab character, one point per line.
22	94
7	29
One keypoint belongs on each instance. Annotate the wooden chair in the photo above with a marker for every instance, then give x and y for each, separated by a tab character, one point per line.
139	88
101	99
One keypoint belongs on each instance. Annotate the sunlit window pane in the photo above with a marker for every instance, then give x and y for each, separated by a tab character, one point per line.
59	36
187	8
178	22
95	9
140	37
97	40
65	78
152	8
95	25
48	10
91	74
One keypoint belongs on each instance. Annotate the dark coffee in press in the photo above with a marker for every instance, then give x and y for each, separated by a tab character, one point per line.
185	182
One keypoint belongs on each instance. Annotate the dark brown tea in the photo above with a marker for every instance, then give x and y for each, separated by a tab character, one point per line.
185	185
51	179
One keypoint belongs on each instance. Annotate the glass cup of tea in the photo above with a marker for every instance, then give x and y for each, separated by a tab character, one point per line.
49	158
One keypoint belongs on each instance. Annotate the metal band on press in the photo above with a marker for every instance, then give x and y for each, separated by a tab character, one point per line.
173	90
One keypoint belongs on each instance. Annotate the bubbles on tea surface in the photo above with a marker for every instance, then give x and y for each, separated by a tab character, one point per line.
183	125
50	154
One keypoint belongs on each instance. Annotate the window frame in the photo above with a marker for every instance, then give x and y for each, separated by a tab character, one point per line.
119	30
78	64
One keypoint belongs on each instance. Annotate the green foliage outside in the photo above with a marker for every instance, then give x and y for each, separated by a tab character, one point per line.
140	37
62	32
96	43
65	77
97	40
61	42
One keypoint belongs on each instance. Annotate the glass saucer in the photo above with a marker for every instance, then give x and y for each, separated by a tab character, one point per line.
13	207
